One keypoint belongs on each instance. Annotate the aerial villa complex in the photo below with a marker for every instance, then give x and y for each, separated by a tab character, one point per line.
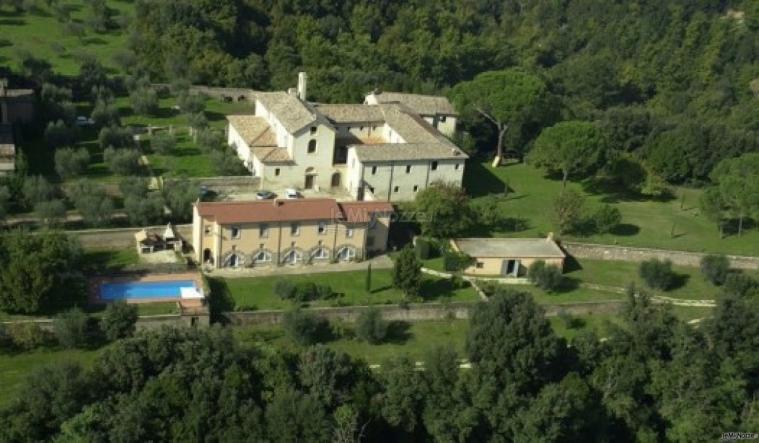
388	148
288	232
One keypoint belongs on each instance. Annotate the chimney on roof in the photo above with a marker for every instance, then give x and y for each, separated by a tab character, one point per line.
302	81
550	237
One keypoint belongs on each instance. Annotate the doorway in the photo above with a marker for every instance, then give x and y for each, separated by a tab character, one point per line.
207	258
309	182
335	182
510	268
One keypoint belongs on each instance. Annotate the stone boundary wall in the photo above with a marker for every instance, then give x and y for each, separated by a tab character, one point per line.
414	312
144	322
117	238
240	181
632	254
216	92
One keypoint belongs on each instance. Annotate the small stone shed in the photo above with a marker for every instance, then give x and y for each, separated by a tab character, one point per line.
508	257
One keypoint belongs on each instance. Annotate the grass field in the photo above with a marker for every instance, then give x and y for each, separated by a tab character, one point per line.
15	367
258	292
646	223
40	34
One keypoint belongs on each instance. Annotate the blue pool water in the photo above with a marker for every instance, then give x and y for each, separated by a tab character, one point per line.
144	290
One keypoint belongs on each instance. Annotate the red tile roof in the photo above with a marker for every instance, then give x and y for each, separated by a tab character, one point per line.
263	211
361	212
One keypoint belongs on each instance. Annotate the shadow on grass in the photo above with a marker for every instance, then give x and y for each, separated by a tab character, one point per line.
678	281
219	300
12	22
568	284
398	332
479	181
571	264
626	230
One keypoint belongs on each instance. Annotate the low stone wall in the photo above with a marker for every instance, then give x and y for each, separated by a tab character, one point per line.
626	253
147	322
119	238
233	94
414	312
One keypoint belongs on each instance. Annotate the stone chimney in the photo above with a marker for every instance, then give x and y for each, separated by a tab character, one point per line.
550	237
302	81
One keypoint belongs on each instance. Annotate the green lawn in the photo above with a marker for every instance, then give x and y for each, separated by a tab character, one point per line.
646	223
690	284
44	37
258	292
110	259
15	367
186	160
158	308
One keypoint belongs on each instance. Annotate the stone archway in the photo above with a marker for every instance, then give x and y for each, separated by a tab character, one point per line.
310	179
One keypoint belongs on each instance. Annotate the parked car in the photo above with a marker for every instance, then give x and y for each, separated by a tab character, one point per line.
291	193
84	121
265	195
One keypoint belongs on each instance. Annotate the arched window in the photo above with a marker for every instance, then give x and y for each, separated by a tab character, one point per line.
292	257
346	253
234	261
320	254
262	257
311	146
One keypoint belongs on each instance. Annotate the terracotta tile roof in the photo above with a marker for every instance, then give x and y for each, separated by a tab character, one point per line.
271	155
421	104
293	113
361	212
265	211
253	130
351	113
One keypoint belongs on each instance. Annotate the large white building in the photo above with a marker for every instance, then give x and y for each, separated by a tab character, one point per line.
388	148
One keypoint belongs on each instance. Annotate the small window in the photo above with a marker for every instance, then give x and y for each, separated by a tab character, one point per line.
235	232
408	169
263	231
434	166
374	170
207	229
313	130
262	256
276	172
479	265
312	146
361	128
457	166
294	229
322	228
321	253
396	189
348	232
416	188
371	188
442	119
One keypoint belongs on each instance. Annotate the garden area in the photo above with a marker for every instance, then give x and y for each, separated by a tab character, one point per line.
674	222
343	289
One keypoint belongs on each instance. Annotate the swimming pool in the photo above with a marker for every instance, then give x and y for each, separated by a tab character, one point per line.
136	290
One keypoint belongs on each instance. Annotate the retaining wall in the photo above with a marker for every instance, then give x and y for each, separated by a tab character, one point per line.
414	312
631	254
119	238
235	94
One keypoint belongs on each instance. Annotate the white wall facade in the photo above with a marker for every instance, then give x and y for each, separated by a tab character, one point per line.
240	146
400	180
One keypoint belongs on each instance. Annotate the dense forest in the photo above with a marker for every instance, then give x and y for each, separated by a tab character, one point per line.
674	83
653	378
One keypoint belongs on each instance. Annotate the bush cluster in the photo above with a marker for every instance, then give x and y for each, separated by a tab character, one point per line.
546	277
305	328
371	327
715	268
302	291
657	274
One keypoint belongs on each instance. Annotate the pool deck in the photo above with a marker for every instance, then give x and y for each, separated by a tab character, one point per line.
96	282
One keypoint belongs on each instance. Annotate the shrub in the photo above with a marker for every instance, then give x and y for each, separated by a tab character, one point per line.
715	268
122	161
115	136
92	202
285	289
37	189
50	213
657	274
119	320
569	210
71	162
27	336
305	328
422	247
546	277
371	327
740	284
454	261
163	143
606	218
105	114
72	328
144	101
